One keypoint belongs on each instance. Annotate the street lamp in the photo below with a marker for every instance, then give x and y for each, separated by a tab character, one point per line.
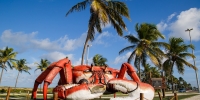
88	46
193	59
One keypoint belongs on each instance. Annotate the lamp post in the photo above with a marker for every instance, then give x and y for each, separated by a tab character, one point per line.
193	59
88	46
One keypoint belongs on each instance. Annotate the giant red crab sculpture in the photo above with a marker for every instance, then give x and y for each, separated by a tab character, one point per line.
88	82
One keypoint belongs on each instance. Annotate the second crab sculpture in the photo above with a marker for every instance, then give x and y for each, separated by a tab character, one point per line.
87	82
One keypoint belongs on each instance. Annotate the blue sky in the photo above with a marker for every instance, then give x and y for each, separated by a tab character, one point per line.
39	29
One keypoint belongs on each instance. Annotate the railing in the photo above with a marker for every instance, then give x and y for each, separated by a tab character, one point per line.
175	97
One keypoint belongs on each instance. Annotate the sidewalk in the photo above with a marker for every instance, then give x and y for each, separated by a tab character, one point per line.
197	97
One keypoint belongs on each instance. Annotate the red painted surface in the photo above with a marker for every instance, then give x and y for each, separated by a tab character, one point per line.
84	76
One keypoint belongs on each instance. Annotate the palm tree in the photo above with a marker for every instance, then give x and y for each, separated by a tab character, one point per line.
7	58
150	72
21	67
176	55
145	45
99	60
102	12
44	63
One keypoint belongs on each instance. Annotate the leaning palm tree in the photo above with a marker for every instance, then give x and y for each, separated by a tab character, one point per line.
145	45
176	55
99	60
102	12
7	58
44	63
21	67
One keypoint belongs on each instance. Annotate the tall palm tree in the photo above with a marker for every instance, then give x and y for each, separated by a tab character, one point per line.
44	63
99	60
102	12
7	58
145	45
21	67
177	52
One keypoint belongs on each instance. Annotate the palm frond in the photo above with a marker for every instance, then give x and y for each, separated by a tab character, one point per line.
79	6
132	39
187	64
127	49
131	57
91	27
120	8
185	54
180	66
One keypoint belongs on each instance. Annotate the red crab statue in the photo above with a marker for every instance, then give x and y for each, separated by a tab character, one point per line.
88	82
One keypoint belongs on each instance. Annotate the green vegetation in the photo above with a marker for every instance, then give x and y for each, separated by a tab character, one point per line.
143	47
7	58
176	55
21	66
99	60
102	12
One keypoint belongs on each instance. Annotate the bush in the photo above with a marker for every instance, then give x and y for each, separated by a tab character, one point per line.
2	91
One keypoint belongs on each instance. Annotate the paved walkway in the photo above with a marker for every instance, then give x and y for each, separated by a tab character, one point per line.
197	97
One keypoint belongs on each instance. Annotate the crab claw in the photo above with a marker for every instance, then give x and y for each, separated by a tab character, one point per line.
80	91
133	89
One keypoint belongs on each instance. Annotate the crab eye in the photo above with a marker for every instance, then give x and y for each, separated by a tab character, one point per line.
108	72
86	71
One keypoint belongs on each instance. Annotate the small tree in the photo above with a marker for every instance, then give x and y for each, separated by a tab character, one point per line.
21	67
176	55
7	58
42	66
99	60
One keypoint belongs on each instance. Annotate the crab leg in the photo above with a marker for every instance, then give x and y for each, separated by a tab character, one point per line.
132	87
126	67
63	67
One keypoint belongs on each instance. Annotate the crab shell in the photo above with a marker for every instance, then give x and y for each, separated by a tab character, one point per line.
93	74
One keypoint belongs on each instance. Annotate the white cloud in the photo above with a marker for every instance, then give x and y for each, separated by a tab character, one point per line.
106	26
161	26
16	38
28	41
187	19
99	39
31	65
170	17
78	62
55	56
122	59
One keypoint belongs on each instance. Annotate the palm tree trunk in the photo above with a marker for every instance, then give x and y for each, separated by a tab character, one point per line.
91	24
172	83
139	69
3	66
16	79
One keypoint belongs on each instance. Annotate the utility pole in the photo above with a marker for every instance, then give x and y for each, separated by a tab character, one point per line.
194	59
88	46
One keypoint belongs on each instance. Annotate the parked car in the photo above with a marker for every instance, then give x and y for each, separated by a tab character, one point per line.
182	90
